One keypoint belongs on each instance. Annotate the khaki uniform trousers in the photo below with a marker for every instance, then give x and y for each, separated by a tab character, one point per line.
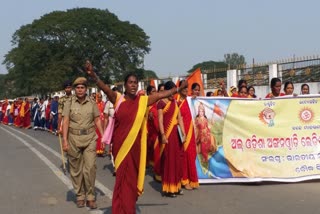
82	164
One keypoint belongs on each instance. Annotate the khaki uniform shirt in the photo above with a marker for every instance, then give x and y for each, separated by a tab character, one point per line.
62	101
81	116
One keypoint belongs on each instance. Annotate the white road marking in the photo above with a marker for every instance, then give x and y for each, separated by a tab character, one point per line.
55	169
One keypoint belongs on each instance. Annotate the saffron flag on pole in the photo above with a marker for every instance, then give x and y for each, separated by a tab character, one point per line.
195	77
152	83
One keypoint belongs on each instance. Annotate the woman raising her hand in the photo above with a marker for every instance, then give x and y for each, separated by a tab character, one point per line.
129	139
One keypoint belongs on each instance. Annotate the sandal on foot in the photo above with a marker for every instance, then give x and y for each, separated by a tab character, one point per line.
188	187
80	203
92	204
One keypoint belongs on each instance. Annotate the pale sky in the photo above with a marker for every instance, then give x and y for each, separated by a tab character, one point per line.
186	32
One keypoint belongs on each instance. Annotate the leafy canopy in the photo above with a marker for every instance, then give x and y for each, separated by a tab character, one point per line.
208	65
231	61
49	50
234	60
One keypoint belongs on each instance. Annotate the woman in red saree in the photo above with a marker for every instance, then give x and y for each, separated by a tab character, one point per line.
16	113
100	146
129	140
171	147
152	126
157	144
25	114
189	170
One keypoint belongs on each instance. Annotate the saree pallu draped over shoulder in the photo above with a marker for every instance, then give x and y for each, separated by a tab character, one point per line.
25	114
158	149
189	170
171	170
129	150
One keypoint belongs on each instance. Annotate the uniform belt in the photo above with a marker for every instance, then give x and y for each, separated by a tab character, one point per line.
81	131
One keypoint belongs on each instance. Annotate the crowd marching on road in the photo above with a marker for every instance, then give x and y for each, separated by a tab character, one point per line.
145	133
82	119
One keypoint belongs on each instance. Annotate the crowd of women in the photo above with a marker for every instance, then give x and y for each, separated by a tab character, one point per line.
248	91
161	118
21	113
16	113
172	158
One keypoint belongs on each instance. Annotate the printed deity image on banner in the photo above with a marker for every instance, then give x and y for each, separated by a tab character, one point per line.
208	123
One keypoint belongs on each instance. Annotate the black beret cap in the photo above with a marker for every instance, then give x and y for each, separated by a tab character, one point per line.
67	83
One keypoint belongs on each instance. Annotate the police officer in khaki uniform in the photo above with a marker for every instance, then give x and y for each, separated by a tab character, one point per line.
67	89
80	116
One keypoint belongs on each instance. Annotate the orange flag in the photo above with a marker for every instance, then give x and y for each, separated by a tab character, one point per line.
195	77
178	82
152	83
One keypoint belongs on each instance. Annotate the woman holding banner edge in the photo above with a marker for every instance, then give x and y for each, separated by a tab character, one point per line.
189	172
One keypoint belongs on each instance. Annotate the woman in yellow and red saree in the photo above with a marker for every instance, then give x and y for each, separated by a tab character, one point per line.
157	145
152	126
25	114
129	140
189	170
171	147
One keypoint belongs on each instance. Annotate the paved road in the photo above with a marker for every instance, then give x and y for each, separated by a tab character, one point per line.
32	182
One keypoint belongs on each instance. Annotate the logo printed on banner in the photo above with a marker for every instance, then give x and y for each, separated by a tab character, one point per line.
267	116
306	115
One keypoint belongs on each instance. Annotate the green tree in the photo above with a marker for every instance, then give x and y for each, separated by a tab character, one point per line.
234	60
49	50
2	86
208	65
